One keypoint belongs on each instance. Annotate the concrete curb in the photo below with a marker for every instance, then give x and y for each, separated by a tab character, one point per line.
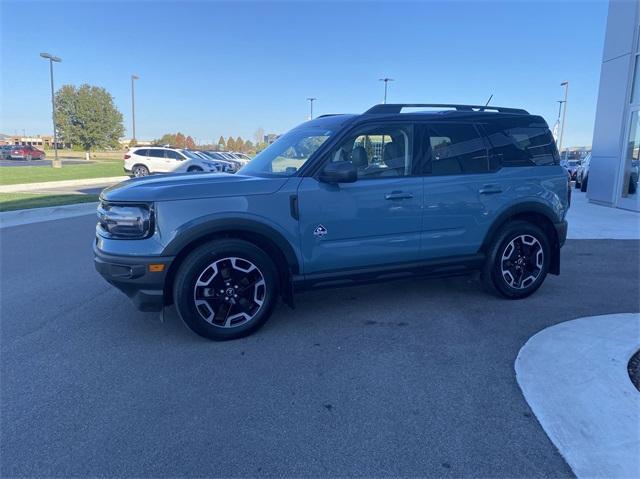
37	215
574	377
23	187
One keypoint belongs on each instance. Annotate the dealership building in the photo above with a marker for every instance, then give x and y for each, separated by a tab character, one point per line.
614	169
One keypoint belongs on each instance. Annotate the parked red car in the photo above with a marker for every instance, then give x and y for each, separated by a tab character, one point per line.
18	152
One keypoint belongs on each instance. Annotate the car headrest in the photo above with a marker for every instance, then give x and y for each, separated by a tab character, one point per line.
359	157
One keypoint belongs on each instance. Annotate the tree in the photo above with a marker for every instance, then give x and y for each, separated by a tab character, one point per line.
181	141
221	143
258	136
166	139
231	144
248	146
86	116
239	144
190	143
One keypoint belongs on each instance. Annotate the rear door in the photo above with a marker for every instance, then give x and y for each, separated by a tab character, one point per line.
461	191
374	221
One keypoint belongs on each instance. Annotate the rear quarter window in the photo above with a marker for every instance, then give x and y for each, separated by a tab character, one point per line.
521	142
140	152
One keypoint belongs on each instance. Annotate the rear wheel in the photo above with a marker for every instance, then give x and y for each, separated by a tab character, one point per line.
226	289
518	261
140	170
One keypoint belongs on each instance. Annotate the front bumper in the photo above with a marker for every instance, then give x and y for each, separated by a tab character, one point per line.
131	275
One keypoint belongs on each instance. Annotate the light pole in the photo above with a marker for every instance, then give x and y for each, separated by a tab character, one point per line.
55	163
386	82
311	100
565	84
133	108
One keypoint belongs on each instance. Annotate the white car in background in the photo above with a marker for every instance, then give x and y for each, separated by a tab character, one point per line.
582	173
146	160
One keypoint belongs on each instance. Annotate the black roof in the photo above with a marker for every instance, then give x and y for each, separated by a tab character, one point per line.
443	111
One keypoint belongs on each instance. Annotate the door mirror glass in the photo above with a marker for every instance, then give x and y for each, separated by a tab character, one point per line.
339	172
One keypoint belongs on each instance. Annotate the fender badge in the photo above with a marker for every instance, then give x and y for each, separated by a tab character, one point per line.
320	231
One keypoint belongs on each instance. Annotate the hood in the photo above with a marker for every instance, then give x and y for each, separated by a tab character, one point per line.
190	186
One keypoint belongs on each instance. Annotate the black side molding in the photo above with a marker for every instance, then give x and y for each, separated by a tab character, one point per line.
293	207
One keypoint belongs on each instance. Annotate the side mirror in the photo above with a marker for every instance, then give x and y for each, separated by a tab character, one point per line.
339	172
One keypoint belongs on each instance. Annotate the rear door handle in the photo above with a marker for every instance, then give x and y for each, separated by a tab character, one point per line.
398	195
490	190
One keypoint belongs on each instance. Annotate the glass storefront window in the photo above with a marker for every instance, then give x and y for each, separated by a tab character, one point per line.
632	158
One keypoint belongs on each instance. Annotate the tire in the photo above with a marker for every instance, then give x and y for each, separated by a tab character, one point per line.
510	275
583	185
204	294
194	169
139	171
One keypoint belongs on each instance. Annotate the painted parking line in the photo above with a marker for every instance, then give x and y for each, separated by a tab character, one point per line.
574	377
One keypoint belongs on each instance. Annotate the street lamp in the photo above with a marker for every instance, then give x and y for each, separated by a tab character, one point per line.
386	82
133	108
56	163
565	84
311	100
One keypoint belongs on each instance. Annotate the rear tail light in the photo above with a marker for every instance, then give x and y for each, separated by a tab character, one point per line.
126	157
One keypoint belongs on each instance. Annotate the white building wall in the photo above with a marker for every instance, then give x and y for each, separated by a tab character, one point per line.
612	113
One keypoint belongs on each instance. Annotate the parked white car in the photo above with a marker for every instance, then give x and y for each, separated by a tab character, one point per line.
143	161
582	173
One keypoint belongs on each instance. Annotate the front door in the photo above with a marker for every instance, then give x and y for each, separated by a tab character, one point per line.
372	222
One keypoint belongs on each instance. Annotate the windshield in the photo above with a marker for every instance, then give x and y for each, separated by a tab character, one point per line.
288	153
190	154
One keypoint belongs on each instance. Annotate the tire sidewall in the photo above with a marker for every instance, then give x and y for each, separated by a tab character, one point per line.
504	238
195	264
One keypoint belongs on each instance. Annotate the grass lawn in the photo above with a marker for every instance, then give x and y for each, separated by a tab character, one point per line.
11	175
21	201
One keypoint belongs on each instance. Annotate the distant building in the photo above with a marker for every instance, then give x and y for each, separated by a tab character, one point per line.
270	138
42	141
126	141
615	161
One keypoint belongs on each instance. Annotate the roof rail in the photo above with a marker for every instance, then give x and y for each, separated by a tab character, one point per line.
397	108
329	114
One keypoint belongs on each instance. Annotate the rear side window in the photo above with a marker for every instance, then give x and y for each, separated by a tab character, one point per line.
173	155
141	152
517	143
455	149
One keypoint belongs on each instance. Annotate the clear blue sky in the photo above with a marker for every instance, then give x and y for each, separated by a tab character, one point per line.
213	68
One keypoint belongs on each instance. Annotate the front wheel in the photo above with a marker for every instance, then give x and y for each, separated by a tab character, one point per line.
140	170
226	289
518	261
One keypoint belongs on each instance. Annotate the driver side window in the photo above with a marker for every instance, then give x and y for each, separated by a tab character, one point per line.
378	151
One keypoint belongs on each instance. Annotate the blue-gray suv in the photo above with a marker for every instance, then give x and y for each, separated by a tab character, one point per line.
438	190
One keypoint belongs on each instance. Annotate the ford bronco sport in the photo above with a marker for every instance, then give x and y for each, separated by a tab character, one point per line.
444	190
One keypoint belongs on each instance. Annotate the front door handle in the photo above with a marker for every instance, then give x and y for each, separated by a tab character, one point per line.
398	195
490	190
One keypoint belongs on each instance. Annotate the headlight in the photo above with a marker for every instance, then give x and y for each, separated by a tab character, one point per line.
125	221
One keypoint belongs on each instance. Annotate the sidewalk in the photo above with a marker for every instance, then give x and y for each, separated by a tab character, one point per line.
574	377
37	215
49	185
591	221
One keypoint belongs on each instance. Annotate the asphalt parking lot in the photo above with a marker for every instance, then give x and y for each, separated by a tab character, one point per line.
409	378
